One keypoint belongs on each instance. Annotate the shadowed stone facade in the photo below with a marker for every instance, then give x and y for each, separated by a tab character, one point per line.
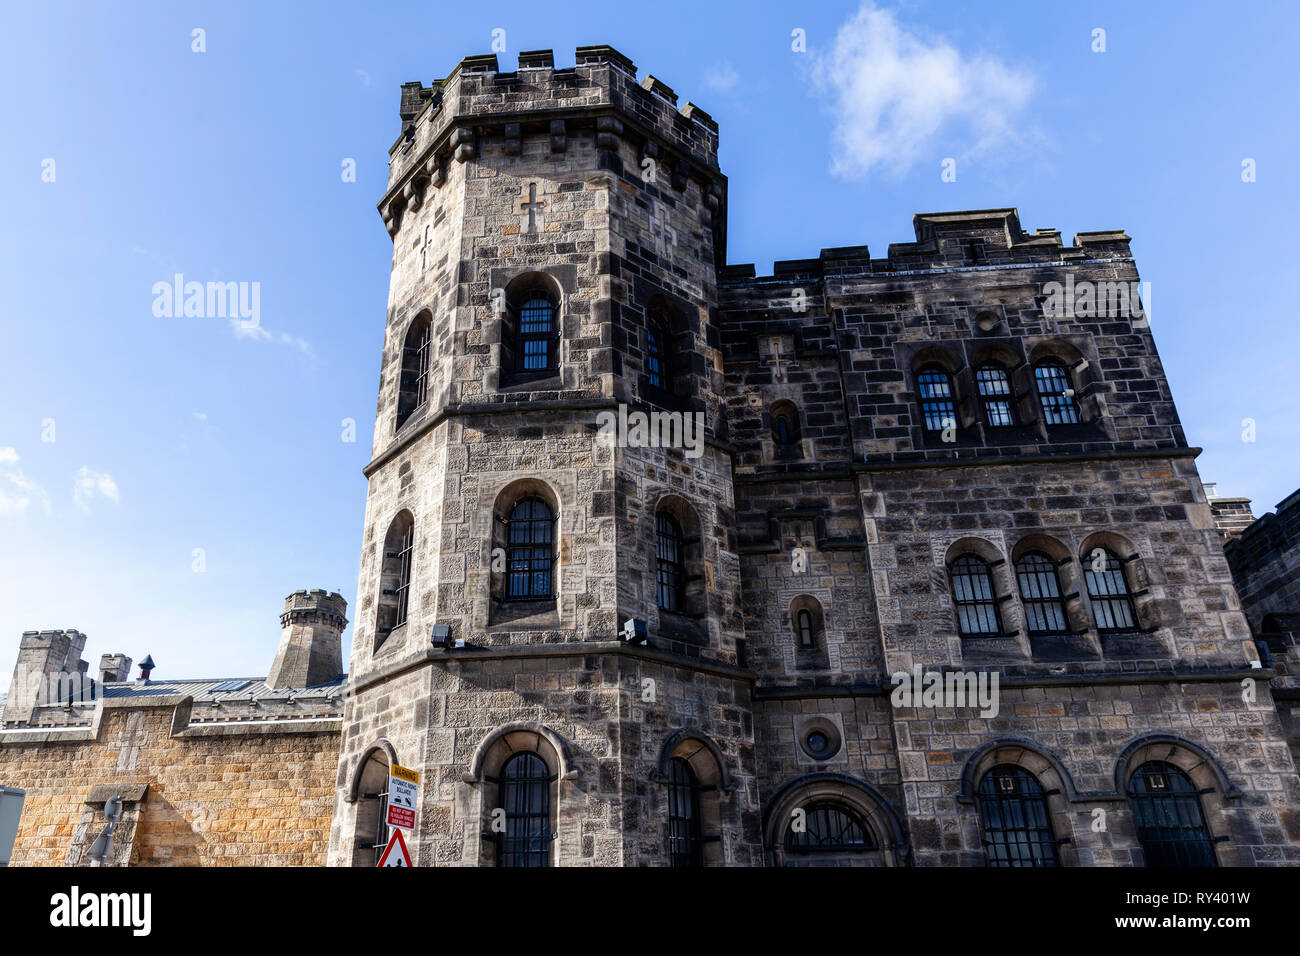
820	498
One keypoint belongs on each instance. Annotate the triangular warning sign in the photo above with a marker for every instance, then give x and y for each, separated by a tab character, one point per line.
401	857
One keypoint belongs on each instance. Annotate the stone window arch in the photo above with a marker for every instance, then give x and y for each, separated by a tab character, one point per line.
808	628
689	620
1193	781
530	336
1051	783
787	433
1124	612
369	793
413	377
667	376
523	553
1064	384
395	576
1015	820
691	759
851	822
941	392
974	596
517	770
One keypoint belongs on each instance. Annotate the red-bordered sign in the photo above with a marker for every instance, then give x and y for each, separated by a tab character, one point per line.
401	858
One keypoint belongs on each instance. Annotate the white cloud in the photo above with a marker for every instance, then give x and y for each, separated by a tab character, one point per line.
363	76
901	98
90	485
255	333
199	416
17	491
721	77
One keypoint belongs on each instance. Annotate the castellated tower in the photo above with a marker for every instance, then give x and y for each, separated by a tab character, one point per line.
556	239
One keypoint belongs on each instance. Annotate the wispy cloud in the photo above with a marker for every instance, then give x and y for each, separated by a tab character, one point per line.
363	76
253	332
17	491
90	485
900	97
721	77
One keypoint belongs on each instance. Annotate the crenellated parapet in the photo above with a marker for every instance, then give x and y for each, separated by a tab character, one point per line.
951	240
454	119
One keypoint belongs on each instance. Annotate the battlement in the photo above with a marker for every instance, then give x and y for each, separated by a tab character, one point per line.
599	96
950	240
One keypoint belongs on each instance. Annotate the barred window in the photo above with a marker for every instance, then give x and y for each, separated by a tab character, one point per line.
530	555
1170	822
829	828
395	576
669	562
404	549
973	594
1055	394
807	636
995	395
413	387
525	796
1112	602
657	360
937	408
1040	592
536	345
1015	819
684	844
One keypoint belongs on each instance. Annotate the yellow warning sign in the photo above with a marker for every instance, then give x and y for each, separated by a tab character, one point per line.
401	773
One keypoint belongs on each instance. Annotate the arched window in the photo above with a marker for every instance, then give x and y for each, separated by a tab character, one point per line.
658	354
804	625
973	594
1055	394
684	844
669	563
1040	592
828	828
937	408
535	349
1013	811
1112	603
372	829
995	395
413	389
525	796
395	576
530	554
1170	823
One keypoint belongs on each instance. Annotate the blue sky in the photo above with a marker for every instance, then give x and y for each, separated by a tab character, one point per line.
173	434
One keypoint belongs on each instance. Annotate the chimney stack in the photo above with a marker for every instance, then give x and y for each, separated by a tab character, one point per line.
114	668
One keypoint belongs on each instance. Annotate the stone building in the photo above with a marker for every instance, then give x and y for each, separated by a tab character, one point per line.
651	540
1264	556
